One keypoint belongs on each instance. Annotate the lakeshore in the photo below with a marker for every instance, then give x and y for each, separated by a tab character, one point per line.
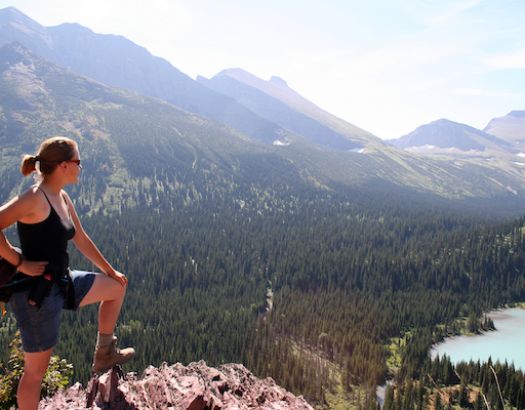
503	344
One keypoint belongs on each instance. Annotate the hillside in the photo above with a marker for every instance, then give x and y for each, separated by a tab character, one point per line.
136	150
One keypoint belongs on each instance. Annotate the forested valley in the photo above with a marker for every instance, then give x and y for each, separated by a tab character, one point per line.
309	288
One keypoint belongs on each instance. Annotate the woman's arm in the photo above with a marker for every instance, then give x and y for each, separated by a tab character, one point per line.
18	208
87	247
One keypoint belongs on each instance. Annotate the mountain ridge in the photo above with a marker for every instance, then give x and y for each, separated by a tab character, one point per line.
117	61
300	162
297	102
276	111
195	150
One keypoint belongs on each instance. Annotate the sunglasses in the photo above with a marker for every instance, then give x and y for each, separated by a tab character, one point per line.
74	161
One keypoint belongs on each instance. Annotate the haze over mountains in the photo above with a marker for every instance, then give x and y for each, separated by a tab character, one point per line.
268	121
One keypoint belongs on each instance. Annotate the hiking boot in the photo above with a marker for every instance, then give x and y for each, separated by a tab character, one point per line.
108	356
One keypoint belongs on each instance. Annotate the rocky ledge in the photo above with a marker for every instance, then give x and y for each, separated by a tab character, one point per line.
178	387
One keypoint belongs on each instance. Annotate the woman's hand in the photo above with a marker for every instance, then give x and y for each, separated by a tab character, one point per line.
119	277
32	268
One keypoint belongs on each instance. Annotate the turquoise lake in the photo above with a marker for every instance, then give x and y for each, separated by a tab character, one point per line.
506	343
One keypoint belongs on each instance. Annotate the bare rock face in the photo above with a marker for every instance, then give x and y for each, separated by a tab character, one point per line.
177	387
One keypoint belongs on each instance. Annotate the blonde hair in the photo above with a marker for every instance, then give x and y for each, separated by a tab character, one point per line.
52	152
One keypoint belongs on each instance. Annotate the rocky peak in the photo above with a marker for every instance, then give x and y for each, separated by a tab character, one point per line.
192	387
13	14
15	25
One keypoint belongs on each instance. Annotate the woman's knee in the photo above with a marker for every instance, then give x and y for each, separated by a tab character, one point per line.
34	376
115	291
120	290
104	289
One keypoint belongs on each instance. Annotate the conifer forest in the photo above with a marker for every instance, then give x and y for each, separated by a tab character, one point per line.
310	290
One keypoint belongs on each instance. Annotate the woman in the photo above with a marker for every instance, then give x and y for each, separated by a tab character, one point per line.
46	219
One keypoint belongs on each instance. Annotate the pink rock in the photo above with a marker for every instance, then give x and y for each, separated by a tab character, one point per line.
178	387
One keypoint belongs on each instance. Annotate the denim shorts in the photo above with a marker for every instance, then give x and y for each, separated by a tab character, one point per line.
39	327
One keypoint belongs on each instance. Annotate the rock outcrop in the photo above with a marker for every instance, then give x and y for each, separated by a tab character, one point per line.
192	387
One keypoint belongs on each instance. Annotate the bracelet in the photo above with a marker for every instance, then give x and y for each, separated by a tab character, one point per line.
20	260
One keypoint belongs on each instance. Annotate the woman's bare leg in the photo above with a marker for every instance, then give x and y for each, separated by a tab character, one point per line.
111	295
30	385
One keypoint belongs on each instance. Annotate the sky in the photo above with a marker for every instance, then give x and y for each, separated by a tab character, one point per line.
387	66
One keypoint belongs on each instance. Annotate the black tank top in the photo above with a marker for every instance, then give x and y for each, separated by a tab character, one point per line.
47	240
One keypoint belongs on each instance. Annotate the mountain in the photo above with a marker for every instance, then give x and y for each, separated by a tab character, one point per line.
278	103
486	155
510	128
136	149
140	150
110	59
448	137
116	61
16	26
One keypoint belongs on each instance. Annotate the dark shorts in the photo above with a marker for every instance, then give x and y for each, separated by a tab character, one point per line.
39	327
